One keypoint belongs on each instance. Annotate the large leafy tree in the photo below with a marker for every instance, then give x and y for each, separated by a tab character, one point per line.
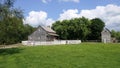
79	28
72	29
97	25
12	29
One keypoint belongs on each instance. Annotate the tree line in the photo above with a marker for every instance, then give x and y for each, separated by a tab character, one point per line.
12	29
79	28
115	34
82	28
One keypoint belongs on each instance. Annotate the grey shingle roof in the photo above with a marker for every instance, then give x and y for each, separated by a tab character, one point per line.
48	29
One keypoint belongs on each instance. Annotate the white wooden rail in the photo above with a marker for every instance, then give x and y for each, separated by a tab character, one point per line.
56	42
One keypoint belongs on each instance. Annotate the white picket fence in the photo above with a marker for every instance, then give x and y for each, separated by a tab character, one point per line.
56	42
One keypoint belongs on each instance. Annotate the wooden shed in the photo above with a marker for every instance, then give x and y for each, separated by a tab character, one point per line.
106	36
43	34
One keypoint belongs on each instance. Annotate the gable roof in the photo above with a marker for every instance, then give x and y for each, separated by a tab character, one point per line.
48	29
105	29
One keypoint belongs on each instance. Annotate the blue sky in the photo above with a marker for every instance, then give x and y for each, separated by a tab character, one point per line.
45	12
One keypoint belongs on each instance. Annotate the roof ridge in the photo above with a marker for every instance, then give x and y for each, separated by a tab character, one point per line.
48	29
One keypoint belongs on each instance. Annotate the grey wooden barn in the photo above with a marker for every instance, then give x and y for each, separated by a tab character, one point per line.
43	34
106	36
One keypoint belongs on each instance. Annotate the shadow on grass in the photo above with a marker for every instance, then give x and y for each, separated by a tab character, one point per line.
10	51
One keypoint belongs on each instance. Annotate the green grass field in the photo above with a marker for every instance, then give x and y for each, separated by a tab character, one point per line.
85	55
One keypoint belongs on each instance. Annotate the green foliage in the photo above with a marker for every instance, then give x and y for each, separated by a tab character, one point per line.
96	27
72	29
85	55
79	28
12	29
115	34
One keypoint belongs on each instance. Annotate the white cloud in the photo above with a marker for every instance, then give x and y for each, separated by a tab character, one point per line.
46	1
69	14
76	1
38	18
110	14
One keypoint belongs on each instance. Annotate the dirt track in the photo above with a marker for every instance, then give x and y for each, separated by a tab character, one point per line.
10	46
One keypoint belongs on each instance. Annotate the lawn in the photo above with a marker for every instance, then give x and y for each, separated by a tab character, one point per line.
85	55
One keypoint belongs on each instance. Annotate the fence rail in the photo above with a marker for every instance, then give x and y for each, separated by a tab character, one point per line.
56	42
99	41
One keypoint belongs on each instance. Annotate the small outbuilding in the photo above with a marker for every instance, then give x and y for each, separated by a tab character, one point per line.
43	33
106	36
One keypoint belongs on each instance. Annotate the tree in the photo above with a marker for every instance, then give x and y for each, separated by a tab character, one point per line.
96	27
115	34
12	29
79	28
76	28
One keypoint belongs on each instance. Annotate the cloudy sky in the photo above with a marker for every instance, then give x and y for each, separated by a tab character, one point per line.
46	12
